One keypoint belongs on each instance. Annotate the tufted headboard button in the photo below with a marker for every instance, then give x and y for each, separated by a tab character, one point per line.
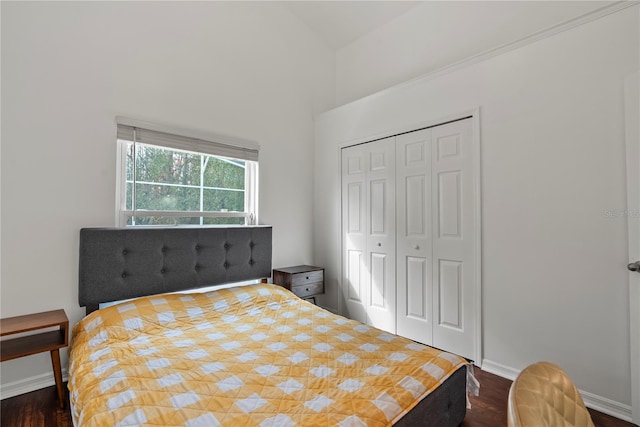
124	252
226	264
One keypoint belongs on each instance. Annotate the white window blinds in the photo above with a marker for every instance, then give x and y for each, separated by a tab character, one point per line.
216	145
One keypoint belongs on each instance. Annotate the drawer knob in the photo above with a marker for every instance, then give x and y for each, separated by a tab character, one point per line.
307	277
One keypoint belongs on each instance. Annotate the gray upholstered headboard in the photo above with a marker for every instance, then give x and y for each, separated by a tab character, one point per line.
121	263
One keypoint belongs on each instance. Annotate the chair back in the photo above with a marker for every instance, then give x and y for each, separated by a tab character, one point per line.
543	395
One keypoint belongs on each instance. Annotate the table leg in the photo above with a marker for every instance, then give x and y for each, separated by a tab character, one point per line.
57	373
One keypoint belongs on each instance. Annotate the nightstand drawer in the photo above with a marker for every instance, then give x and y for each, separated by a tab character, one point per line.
305	281
307	278
312	289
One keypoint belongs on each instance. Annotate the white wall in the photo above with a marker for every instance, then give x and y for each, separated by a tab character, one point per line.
250	70
552	153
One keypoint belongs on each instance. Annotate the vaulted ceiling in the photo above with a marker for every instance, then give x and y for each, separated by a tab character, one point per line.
339	23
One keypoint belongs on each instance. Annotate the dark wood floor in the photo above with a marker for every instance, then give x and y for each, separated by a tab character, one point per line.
40	408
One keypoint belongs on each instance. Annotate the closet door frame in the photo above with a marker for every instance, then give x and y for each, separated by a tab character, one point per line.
474	115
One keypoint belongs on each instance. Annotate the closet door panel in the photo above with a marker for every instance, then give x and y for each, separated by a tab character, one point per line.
416	286
414	257
453	240
450	293
354	208
450	204
381	229
355	276
354	230
415	216
379	285
378	214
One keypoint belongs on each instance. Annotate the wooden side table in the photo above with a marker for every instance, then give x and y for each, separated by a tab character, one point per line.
51	341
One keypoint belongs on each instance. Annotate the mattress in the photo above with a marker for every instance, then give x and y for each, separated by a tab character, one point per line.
252	356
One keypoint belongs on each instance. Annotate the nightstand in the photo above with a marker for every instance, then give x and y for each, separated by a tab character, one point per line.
305	281
51	341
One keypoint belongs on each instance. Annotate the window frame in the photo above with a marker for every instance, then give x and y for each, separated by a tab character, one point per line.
250	214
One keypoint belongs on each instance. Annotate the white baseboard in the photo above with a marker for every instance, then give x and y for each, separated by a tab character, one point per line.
593	401
499	369
607	406
29	384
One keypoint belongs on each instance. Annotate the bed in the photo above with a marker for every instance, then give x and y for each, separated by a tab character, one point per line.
253	355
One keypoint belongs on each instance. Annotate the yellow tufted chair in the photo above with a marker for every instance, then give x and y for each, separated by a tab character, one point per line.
543	395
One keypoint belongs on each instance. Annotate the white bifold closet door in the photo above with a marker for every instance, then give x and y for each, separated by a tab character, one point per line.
408	236
414	237
369	233
435	237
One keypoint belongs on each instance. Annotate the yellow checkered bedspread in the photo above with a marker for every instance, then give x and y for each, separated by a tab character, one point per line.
246	356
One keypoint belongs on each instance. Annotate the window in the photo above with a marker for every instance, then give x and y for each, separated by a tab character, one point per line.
171	179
